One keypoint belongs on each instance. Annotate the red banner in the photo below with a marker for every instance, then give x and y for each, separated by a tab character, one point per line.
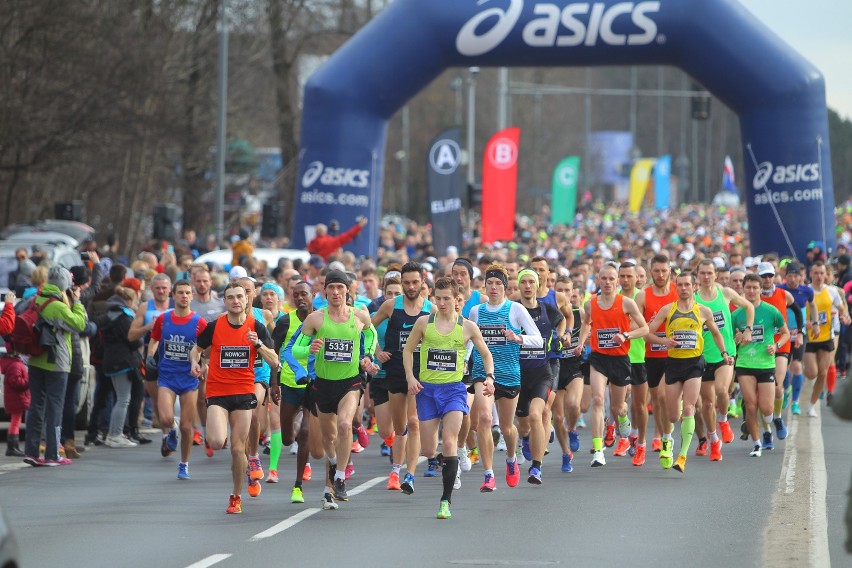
500	186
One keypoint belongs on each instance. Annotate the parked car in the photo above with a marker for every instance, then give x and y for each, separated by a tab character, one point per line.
223	257
74	229
47	237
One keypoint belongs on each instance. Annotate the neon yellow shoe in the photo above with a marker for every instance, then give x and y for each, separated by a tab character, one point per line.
296	496
444	510
680	464
666	454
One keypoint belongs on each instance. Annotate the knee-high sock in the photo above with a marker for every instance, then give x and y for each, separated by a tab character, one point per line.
798	383
451	468
831	379
275	445
687	429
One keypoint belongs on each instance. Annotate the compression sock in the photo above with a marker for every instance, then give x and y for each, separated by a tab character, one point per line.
275	445
798	383
451	468
779	406
787	380
831	379
597	444
687	429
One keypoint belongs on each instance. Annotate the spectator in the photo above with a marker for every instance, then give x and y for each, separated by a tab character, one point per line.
241	247
16	396
325	245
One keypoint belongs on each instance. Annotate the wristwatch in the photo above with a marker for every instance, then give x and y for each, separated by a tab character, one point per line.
489	376
258	345
748	327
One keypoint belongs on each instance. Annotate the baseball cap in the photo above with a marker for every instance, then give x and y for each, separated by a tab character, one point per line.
749	261
237	272
794	268
765	268
719	262
316	261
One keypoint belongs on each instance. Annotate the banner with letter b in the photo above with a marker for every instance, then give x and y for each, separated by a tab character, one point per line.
500	186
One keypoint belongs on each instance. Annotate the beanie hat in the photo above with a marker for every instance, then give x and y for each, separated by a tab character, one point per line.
59	277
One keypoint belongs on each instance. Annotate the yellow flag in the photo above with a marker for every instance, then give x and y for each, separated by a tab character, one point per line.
640	177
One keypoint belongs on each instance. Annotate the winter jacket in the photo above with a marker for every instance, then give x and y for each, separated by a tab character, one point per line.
7	319
16	382
62	321
120	354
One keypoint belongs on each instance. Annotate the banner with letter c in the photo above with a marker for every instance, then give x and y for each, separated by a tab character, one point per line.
445	189
500	185
563	203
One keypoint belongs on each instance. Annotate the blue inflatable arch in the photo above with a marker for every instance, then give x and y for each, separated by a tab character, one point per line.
778	95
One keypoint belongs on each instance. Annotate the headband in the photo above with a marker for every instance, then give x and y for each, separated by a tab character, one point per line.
338	277
497	274
530	272
392	274
466	264
274	287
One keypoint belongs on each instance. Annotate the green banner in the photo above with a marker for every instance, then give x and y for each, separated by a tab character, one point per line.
563	205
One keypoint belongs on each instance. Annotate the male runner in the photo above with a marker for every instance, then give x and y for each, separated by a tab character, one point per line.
441	395
804	297
607	319
173	336
566	409
236	340
684	322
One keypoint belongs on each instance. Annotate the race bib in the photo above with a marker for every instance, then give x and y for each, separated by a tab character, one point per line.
338	350
444	360
403	341
235	357
685	338
493	334
176	351
719	320
757	334
659	347
822	318
606	338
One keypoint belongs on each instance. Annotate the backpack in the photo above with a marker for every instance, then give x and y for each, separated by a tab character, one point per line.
26	335
96	341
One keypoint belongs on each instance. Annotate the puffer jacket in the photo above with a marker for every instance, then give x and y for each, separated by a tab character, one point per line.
16	382
120	354
62	320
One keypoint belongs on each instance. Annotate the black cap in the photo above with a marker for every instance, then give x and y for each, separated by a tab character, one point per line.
843	259
336	276
794	268
79	275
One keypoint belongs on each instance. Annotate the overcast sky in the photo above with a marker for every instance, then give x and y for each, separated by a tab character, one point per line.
819	30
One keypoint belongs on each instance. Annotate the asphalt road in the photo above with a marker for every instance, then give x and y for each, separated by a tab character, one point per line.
126	508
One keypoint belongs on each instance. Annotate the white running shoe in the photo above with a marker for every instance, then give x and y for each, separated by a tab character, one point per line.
756	452
501	444
598	459
812	411
120	442
464	459
457	482
294	448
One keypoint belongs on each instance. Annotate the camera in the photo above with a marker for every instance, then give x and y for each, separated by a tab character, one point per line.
84	256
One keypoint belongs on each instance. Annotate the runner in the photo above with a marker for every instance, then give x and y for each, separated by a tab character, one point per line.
341	339
536	382
572	382
173	336
755	366
236	340
500	321
607	320
684	322
269	419
378	386
804	297
401	313
440	393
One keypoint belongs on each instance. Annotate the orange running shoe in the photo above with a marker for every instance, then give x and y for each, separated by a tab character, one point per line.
474	456
254	487
639	456
356	447
622	447
308	473
701	450
727	432
273	476
656	445
196	437
255	469
393	482
609	437
680	464
235	505
389	440
208	450
716	451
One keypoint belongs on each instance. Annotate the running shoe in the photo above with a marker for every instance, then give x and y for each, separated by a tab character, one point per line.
768	443
294	448
598	460
340	490
622	447
525	448
197	440
701	450
609	437
796	408
308	473
172	440
273	476
656	445
744	431
61	460
733	410
666	455
574	440
349	471
513	474
581	422
756	452
812	413
407	485
207	449
296	495
519	455
632	440
432	470
780	428
235	505
534	476
328	503
393	481
357	448
444	510
680	464
34	461
639	456
726	432
255	468
552	436
254	487
120	441
464	460
363	437
501	444
624	428
828	397
384	450
164	448
716	451
567	463
489	485
474	456
495	434
457	482
788	392
183	471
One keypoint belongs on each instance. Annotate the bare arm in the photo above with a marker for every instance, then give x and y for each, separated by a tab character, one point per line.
137	329
414	338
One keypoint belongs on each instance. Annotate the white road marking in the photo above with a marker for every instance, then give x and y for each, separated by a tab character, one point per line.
10	467
790	457
210	561
819	485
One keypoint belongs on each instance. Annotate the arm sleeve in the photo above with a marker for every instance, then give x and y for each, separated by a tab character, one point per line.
474	313
280	332
297	340
520	317
369	340
262	333
797	313
554	314
205	338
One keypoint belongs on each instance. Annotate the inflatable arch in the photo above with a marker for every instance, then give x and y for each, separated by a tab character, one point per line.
778	95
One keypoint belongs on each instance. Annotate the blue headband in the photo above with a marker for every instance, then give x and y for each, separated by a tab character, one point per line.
274	287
